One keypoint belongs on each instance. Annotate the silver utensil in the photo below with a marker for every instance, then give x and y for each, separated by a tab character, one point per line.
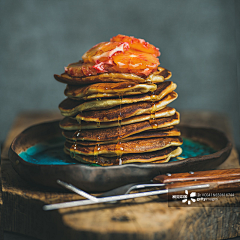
77	190
130	187
120	197
117	191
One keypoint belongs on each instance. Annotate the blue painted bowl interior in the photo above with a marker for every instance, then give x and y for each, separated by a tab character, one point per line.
51	152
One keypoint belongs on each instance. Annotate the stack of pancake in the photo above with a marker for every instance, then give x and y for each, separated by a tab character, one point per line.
119	118
115	120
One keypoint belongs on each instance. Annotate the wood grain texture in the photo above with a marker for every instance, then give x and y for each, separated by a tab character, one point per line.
219	181
143	218
200	175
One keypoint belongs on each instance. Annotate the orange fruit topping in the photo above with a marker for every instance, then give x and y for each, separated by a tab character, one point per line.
137	44
122	54
103	52
135	62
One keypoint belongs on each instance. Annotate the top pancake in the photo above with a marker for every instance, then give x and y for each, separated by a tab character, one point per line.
160	75
103	90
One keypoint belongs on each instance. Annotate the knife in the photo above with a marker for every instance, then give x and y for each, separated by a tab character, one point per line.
223	180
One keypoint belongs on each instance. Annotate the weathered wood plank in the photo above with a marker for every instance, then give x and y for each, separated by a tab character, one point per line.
144	218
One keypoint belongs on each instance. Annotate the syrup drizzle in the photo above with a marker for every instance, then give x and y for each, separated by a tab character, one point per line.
118	148
75	137
77	134
148	81
152	120
79	122
97	148
72	150
120	119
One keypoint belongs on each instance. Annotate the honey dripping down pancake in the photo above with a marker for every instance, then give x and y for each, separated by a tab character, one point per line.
160	156
103	90
70	107
116	107
153	133
134	146
123	131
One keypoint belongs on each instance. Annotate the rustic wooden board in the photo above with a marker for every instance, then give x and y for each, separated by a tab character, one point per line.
143	218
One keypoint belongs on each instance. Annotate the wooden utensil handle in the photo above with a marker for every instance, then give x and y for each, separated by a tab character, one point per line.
222	186
216	185
196	176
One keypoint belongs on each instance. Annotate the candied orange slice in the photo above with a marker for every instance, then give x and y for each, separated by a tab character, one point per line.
137	44
87	56
80	69
135	62
104	51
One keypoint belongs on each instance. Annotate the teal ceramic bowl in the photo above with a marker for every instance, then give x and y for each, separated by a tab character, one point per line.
37	155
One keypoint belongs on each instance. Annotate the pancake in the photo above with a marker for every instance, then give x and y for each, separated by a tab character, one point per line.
152	157
103	90
134	146
70	107
160	75
71	123
129	110
154	133
111	134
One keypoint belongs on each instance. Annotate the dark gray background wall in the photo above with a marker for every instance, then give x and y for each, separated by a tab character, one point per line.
198	40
